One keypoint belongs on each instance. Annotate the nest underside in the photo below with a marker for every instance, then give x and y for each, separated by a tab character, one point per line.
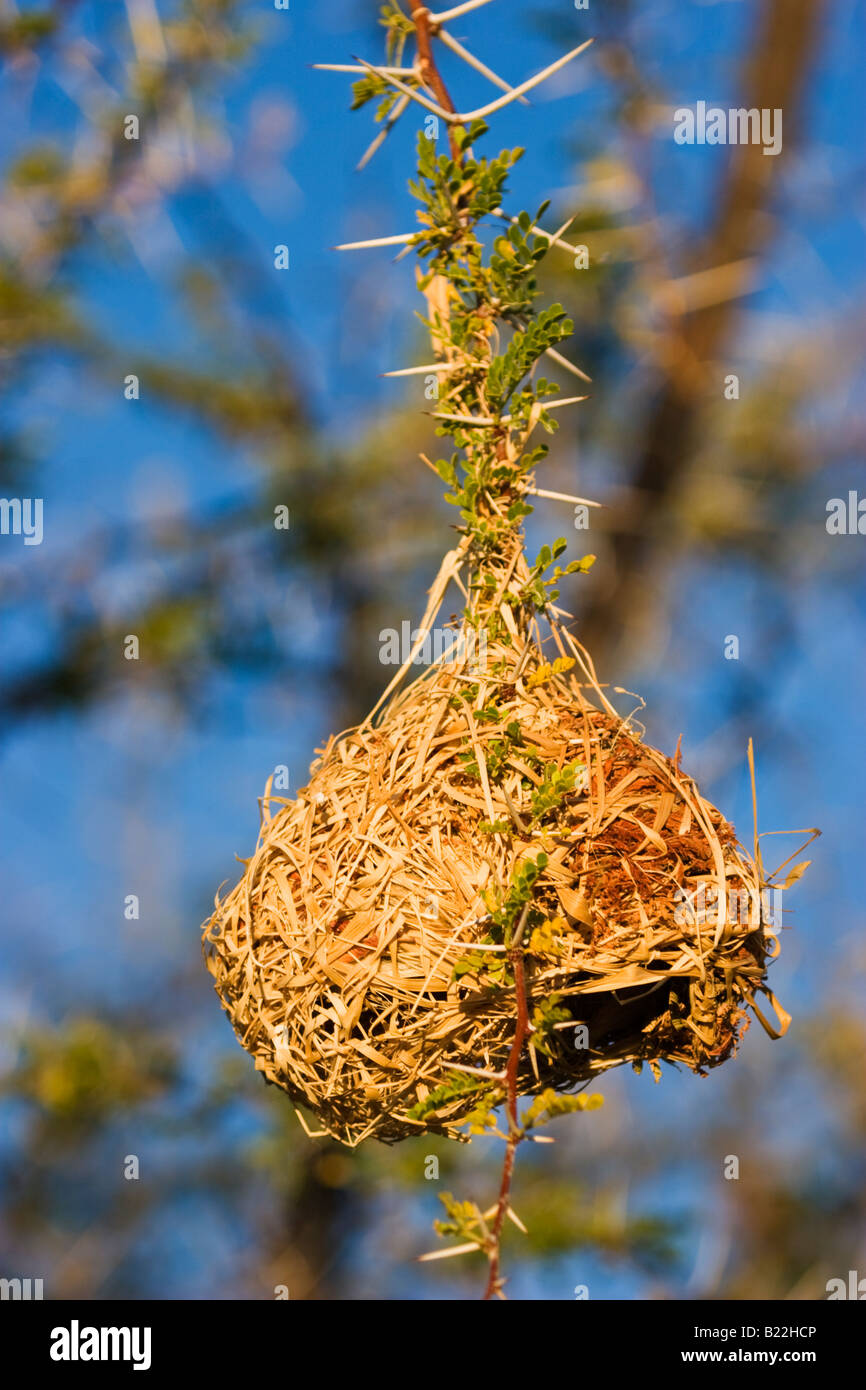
358	956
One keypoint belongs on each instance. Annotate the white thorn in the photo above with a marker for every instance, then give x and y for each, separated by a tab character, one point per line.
376	241
462	118
512	1216
446	1254
393	118
356	67
564	362
477	64
483	420
563	400
465	117
553	237
418	371
457	11
477	1071
583	502
488	420
408	91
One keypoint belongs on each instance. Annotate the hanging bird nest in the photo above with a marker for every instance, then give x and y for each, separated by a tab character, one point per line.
362	957
495	857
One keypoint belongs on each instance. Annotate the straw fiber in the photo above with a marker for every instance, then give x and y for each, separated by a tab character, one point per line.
359	958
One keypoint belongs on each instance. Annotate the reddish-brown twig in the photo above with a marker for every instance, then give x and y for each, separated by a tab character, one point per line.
521	1030
430	74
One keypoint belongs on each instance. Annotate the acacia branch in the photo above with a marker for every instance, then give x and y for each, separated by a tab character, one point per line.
515	1134
430	73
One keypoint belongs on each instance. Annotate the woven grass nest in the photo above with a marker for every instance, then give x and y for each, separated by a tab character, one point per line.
357	958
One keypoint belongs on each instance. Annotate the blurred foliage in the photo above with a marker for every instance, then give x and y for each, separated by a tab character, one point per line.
83	1074
92	1091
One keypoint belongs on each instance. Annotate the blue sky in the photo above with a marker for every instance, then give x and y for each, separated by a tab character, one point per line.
124	799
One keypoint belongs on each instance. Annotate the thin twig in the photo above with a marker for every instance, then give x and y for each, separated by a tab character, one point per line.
407	91
430	75
492	1242
447	113
521	1030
